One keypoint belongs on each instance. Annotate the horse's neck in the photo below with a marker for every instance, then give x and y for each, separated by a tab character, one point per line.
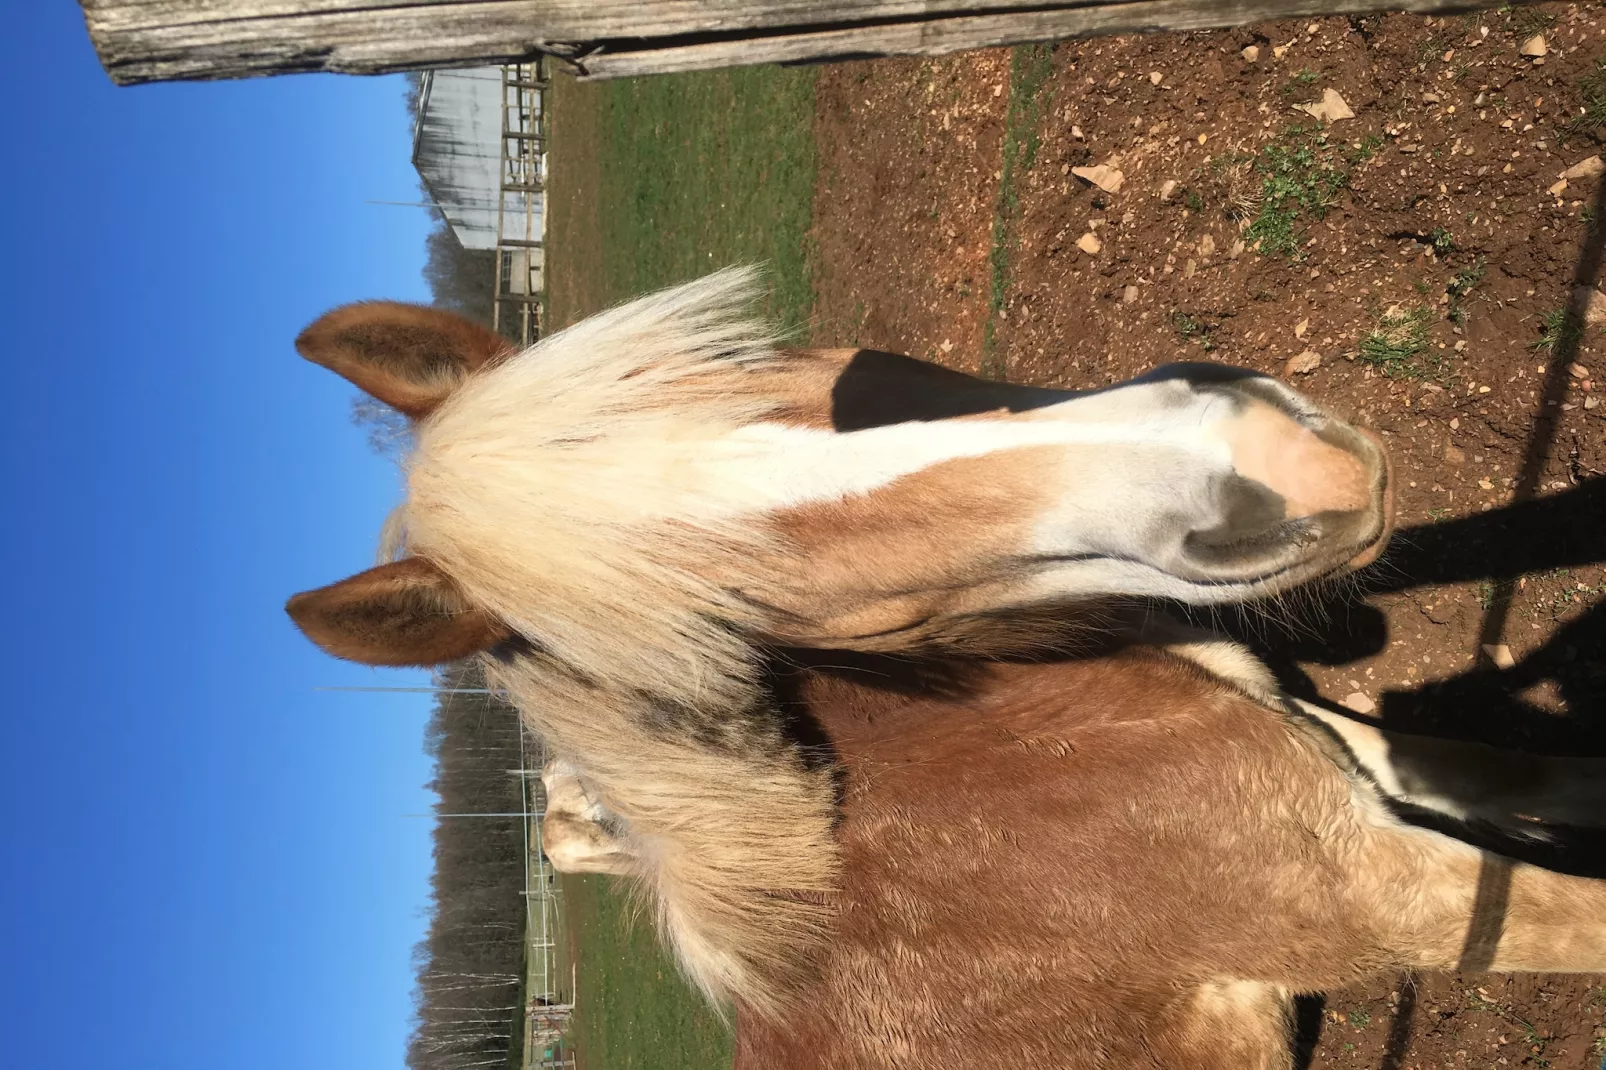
896	709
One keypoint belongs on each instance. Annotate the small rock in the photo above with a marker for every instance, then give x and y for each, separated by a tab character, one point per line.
1190	269
1237	249
1312	28
1558	188
1089	243
1076	132
1485	484
1591	402
1500	654
1155	77
1358	702
1535	46
1304	363
1279	51
1167	188
1129	295
1593	303
1301	327
1430	97
1587	168
1207	245
1329	109
1455	455
1251	54
1101	175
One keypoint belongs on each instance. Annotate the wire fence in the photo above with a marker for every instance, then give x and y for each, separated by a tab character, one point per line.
549	993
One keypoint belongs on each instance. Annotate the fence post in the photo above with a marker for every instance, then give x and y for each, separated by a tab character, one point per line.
145	41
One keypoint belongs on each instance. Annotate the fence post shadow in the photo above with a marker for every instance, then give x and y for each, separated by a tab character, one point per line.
1494	877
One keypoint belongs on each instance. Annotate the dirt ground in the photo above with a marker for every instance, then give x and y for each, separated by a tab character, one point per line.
1409	266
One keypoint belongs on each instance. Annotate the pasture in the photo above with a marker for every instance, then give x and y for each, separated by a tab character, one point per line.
633	1012
1409	265
656	181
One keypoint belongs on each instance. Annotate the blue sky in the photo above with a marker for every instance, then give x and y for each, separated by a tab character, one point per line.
207	862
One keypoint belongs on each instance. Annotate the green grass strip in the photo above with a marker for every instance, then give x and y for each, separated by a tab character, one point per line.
1029	69
700	171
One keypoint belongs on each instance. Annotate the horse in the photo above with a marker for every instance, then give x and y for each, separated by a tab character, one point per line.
627	520
1135	859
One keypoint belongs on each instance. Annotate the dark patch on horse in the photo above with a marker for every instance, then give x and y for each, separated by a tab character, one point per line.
877	389
1307	1029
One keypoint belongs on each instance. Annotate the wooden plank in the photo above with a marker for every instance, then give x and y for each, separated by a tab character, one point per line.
937	37
159	40
561	19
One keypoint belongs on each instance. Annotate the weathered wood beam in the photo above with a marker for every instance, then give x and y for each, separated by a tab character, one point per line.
935	37
162	40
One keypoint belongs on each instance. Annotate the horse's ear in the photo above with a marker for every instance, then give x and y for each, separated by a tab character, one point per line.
406	612
408	356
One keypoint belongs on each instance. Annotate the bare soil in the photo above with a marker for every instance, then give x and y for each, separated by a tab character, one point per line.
1421	283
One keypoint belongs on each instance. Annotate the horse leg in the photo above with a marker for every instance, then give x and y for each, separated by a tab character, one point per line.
1518	793
1233	1025
1449	906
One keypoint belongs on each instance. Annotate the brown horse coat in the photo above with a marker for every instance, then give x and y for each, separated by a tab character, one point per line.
1119	862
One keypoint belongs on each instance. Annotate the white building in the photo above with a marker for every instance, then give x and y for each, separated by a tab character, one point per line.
479	146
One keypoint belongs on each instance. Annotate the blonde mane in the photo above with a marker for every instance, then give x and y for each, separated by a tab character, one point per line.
554	488
560	489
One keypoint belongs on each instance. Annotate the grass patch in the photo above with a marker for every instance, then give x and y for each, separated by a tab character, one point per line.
1558	331
1301	175
1192	329
660	180
1566	595
1527	21
1298	88
1398	345
1460	288
1029	69
1592	88
1535	1040
632	1010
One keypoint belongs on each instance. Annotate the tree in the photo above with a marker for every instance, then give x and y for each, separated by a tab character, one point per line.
471	960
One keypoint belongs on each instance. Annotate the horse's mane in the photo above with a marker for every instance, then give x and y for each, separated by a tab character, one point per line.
560	489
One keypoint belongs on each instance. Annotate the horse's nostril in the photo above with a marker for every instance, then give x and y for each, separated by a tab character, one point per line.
1312	474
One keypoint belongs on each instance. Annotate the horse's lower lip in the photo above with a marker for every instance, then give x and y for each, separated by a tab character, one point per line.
1375	550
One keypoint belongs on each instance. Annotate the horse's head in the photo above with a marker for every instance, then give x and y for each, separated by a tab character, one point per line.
661	477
